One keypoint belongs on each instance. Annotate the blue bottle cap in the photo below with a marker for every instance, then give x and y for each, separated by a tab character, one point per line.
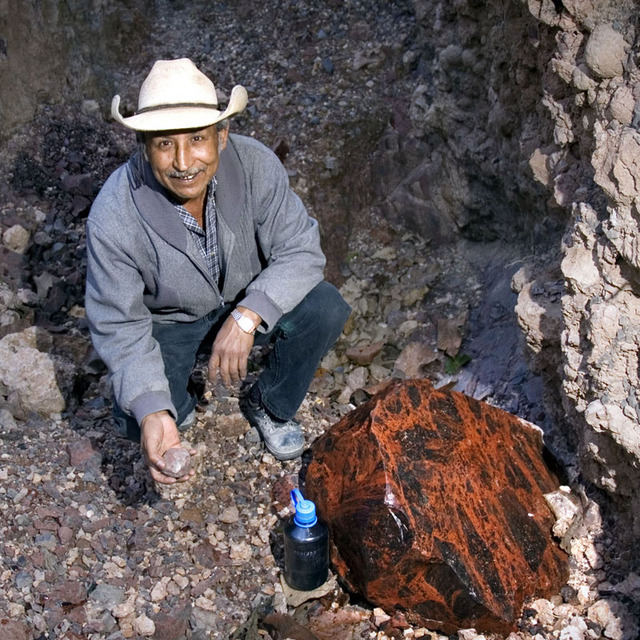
305	510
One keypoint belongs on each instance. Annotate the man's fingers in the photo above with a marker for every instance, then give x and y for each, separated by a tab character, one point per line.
223	369
155	462
230	371
233	371
186	477
237	371
159	433
160	477
213	368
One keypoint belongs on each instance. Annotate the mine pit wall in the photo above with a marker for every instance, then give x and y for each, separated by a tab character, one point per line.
457	161
68	49
524	123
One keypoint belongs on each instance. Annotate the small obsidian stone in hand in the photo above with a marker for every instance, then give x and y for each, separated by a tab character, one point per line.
177	462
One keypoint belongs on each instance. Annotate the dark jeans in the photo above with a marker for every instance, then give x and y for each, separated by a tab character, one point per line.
300	340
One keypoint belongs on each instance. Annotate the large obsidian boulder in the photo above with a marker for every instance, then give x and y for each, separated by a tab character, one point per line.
435	506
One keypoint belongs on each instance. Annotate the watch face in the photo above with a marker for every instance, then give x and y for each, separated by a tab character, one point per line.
245	324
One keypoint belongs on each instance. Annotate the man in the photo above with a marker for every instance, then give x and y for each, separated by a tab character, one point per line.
199	236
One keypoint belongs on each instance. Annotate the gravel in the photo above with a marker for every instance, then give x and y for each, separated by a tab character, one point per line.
90	547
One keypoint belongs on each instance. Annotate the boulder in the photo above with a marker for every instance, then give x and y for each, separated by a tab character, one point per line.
606	51
35	380
435	504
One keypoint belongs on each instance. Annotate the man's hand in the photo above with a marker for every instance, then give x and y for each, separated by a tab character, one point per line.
231	350
159	433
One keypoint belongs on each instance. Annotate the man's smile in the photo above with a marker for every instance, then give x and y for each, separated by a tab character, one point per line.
184	176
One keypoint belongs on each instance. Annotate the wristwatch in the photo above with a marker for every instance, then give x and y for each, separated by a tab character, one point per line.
244	322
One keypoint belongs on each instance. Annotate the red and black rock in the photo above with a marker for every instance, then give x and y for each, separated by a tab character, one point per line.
435	506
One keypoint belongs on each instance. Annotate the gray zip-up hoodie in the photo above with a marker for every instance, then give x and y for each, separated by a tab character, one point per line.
143	266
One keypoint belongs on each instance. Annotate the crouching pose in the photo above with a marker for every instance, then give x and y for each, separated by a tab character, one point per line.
199	237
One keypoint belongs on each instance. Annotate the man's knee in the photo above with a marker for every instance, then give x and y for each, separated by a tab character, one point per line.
328	307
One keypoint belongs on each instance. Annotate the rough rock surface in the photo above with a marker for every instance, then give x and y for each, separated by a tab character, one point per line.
177	462
52	51
587	288
435	504
524	121
36	380
326	81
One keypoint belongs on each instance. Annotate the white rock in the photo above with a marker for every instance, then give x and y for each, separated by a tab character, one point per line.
581	80
144	625
380	617
565	507
125	609
181	581
574	631
345	395
538	163
16	238
15	610
240	552
605	51
229	515
593	557
544	611
612	616
7	422
159	591
31	375
584	594
357	379
622	105
205	603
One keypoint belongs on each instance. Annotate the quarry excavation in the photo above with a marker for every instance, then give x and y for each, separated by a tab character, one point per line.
464	458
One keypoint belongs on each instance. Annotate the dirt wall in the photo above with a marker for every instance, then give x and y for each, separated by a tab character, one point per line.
54	51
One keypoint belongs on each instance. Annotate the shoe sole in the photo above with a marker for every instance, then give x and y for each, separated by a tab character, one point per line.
284	456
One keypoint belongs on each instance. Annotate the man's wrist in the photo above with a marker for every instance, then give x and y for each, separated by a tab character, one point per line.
154	414
248	321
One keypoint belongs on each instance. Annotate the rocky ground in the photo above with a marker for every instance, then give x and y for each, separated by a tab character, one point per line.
91	548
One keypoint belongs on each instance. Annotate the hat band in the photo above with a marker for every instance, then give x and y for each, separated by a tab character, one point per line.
177	105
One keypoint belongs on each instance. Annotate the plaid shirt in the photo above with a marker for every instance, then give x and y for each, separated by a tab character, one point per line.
207	239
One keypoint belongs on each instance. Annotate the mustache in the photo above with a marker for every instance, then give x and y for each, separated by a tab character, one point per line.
188	173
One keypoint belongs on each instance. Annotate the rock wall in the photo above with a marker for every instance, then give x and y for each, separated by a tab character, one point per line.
591	88
63	50
456	158
524	126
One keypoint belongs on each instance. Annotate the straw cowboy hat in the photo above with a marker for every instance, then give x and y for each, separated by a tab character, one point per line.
176	95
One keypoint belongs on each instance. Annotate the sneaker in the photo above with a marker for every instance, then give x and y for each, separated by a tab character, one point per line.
188	421
283	439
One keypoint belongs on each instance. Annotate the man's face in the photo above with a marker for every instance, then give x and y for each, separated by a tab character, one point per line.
185	161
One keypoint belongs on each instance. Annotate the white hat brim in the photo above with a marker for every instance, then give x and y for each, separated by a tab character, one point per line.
181	117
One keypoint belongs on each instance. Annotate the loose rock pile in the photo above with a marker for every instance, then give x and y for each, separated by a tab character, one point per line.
90	548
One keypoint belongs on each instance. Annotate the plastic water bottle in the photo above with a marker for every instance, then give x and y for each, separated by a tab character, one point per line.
306	546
